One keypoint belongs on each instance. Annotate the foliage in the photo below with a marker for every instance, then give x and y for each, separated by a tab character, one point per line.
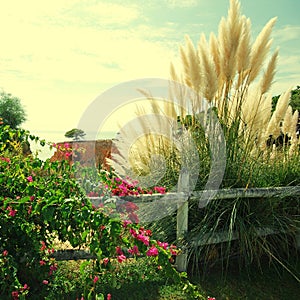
75	133
41	202
11	110
294	102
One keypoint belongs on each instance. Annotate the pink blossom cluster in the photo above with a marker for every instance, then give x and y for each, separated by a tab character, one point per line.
129	209
66	149
21	291
43	262
6	159
121	187
11	212
125	187
16	294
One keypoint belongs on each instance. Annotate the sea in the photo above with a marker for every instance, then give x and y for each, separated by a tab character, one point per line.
52	137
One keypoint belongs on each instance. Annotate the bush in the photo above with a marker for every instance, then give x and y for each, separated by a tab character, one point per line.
42	202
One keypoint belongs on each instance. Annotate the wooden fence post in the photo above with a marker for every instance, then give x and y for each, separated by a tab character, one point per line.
182	218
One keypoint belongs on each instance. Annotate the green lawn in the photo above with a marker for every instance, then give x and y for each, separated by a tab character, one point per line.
140	282
269	284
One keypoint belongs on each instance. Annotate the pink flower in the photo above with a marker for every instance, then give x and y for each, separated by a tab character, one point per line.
133	232
126	222
43	246
211	298
12	212
31	198
29	209
119	250
68	154
42	262
144	239
108	297
5	253
148	232
45	281
173	250
5	159
152	251
160	189
162	244
96	278
105	261
29	179
67	145
134	250
52	269
121	258
15	295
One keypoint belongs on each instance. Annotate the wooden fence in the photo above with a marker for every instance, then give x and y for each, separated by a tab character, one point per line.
181	199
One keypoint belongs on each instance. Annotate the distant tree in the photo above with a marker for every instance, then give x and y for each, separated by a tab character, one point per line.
295	99
75	134
11	110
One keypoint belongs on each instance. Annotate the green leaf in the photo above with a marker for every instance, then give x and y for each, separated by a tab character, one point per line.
48	212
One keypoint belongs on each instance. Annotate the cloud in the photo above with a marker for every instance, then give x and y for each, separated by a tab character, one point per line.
287	33
58	58
182	3
112	13
85	53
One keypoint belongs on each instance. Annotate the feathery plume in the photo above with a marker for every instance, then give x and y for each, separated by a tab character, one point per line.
194	64
273	128
286	124
243	53
269	74
260	49
210	85
293	124
229	39
215	53
186	67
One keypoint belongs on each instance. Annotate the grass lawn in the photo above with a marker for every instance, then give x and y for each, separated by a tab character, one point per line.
140	282
271	283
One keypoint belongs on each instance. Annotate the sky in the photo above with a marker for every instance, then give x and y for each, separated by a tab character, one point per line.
59	56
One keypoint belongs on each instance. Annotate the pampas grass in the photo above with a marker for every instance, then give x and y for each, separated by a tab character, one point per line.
225	70
224	73
267	79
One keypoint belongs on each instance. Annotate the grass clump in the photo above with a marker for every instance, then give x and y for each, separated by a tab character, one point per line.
229	77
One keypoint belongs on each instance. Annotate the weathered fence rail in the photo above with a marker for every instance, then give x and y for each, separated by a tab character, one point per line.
181	200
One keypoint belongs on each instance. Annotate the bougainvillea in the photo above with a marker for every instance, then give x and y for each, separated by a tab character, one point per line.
40	202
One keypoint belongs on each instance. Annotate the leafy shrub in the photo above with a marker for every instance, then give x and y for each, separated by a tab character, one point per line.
40	202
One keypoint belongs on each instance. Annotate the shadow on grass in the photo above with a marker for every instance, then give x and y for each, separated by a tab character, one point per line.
270	282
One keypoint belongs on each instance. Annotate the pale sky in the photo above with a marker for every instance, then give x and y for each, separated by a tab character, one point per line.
58	56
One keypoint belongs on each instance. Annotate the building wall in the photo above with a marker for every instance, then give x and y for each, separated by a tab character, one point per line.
88	153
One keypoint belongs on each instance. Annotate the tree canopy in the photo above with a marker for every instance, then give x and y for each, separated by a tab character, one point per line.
295	99
75	134
11	110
